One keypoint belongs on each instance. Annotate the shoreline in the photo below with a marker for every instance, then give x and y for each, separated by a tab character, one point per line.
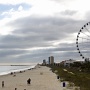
15	70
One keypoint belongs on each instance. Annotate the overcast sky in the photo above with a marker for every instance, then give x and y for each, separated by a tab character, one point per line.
33	30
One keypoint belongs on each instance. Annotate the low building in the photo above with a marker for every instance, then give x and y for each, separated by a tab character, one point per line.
69	62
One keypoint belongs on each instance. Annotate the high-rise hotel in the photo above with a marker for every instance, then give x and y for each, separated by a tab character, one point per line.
51	60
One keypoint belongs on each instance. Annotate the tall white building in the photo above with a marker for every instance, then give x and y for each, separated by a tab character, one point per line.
51	60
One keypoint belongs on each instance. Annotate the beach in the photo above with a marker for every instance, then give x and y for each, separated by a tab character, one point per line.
41	79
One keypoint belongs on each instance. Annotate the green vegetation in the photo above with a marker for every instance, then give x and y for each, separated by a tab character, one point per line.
84	67
74	74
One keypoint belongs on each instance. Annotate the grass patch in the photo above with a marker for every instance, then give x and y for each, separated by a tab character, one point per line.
80	79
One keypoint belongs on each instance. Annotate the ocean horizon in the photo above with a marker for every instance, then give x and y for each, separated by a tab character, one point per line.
6	69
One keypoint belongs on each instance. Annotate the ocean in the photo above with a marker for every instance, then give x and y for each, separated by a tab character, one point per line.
8	69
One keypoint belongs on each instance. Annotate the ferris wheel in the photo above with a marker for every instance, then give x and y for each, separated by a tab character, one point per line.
83	41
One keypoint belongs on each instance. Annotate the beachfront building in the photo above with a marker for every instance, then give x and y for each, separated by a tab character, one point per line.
69	62
51	60
44	62
87	60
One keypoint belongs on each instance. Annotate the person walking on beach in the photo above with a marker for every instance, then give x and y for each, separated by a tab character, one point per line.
29	81
2	83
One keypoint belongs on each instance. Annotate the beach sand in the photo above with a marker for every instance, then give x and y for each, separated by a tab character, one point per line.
41	79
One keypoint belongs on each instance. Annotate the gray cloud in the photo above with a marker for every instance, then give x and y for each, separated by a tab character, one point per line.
33	32
45	26
68	12
62	0
87	16
8	52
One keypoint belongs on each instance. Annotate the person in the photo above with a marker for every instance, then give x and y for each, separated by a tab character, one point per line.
29	81
58	77
64	84
2	83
